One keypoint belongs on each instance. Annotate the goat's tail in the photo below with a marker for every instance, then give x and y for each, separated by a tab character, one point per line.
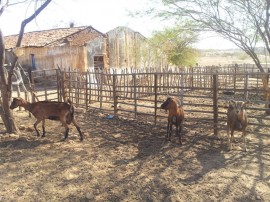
70	115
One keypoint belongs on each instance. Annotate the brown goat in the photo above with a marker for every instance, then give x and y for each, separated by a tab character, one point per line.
62	111
176	117
237	120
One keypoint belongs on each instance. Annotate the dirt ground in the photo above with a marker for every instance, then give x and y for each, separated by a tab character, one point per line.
128	160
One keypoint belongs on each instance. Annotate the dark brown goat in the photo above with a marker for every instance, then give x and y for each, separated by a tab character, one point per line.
237	119
176	117
62	111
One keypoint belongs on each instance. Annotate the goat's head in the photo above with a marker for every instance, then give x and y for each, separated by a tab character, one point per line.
168	103
237	106
16	103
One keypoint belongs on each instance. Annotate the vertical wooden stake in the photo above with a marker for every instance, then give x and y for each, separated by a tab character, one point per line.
63	83
58	85
215	102
69	85
101	91
45	85
90	86
246	86
234	80
135	95
182	89
115	96
86	90
192	74
155	90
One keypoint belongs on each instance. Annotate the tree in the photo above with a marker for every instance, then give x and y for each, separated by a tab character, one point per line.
6	81
243	22
176	44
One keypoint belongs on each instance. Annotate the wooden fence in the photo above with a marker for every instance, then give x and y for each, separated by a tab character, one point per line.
204	93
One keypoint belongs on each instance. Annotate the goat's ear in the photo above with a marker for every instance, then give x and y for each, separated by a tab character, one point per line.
231	103
15	99
244	104
247	102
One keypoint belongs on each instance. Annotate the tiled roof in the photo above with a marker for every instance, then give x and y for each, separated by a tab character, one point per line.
52	37
78	38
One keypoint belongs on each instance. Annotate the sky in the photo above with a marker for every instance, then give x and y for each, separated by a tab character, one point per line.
103	15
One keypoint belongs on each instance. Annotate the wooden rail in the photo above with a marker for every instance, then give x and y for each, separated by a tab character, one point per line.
203	92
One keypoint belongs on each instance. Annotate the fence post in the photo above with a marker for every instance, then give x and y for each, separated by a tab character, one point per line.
90	86
246	86
135	94
86	90
192	74
58	85
77	82
182	89
45	84
234	80
63	80
101	91
115	96
155	89
69	85
215	102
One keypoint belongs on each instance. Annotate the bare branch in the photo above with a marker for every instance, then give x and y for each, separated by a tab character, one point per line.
242	22
26	21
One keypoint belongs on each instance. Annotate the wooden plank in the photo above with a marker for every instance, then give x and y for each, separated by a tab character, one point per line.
135	95
115	98
155	91
215	103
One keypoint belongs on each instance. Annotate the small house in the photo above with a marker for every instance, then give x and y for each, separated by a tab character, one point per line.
84	47
74	47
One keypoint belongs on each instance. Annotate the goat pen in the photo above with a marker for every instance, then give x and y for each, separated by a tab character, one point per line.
204	91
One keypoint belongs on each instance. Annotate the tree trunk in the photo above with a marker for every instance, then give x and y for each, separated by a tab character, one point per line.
265	81
6	83
5	112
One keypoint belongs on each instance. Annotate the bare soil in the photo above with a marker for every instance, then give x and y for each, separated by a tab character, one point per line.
128	160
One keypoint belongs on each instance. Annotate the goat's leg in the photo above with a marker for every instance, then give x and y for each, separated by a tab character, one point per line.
78	129
176	131
244	139
35	126
43	127
67	129
66	133
229	138
180	134
168	131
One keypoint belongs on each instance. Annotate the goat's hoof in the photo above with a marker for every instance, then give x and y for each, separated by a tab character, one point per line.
81	139
64	139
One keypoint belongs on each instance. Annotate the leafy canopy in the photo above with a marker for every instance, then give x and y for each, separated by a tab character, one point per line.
176	43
